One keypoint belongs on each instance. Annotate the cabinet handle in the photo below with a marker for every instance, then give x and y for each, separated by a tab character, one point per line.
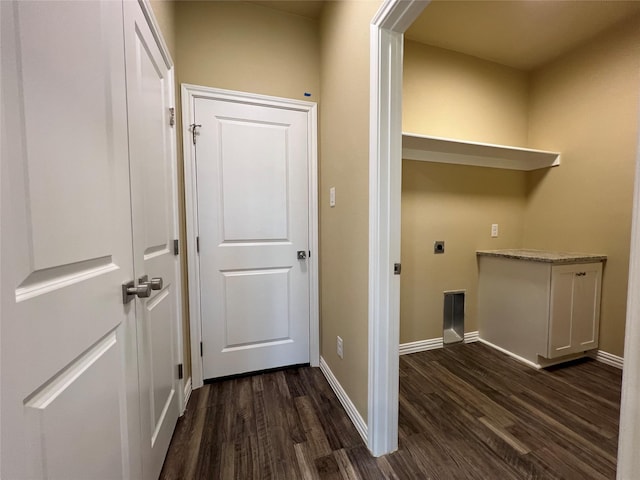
581	274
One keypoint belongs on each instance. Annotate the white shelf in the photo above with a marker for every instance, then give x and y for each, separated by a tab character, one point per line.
447	150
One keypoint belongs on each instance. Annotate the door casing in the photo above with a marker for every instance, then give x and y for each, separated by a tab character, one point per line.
189	93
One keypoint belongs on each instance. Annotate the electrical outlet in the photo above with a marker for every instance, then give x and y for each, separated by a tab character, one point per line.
332	197
339	347
494	230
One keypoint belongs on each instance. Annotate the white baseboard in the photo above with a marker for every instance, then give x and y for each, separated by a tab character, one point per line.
608	358
432	344
346	402
420	346
511	354
471	337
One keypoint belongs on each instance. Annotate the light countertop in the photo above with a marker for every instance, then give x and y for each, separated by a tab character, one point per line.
543	256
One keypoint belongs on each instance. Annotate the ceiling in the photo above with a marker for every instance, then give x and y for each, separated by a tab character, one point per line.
523	34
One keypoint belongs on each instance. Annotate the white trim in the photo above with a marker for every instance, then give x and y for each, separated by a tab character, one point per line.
187	392
157	32
344	399
608	358
314	246
471	337
432	344
176	235
598	355
191	220
629	436
420	346
189	94
385	170
511	354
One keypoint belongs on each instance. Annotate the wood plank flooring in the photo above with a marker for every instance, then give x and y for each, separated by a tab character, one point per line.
466	412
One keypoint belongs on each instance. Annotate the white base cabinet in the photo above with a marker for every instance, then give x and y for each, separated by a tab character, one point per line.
539	309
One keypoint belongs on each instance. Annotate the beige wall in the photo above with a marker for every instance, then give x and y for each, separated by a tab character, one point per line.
344	164
448	94
452	95
248	47
585	105
456	204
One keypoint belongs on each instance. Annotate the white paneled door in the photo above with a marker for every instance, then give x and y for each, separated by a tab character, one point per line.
253	220
88	380
69	368
149	92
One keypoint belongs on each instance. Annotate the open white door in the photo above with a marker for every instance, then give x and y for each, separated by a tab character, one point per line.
68	341
253	165
149	93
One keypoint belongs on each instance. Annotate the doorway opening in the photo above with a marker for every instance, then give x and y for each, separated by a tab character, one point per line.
386	135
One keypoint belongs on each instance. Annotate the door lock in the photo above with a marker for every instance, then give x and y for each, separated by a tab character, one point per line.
129	290
302	254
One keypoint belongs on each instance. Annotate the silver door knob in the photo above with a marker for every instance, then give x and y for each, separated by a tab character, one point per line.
156	283
302	254
129	290
142	291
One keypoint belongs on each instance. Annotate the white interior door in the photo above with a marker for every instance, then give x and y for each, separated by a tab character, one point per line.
149	93
253	220
68	341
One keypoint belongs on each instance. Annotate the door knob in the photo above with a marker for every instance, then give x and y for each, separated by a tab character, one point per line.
129	290
302	254
142	291
155	283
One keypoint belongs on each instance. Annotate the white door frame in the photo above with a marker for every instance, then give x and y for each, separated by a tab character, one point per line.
385	183
629	435
385	175
189	93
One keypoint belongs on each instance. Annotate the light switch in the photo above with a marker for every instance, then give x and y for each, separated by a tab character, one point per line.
332	197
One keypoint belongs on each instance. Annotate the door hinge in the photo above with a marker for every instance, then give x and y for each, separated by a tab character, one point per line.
176	247
194	132
172	116
180	372
201	349
198	244
397	268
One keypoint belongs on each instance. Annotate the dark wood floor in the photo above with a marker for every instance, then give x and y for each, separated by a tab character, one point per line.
466	412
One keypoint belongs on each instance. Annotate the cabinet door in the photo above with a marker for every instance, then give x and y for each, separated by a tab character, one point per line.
575	308
585	318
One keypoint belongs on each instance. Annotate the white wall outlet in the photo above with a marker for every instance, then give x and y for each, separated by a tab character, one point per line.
494	230
332	197
339	347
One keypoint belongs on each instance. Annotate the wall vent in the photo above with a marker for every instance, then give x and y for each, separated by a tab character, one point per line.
453	324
